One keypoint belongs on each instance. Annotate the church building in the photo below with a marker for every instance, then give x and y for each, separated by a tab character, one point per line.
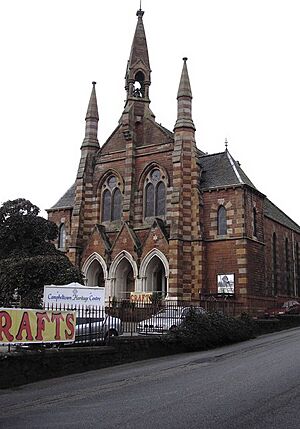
150	212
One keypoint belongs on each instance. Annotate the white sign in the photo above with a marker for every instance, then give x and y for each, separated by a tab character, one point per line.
74	295
226	283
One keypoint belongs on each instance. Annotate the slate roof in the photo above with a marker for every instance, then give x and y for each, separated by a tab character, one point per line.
273	212
67	200
220	169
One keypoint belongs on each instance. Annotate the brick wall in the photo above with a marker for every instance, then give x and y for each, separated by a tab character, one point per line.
287	277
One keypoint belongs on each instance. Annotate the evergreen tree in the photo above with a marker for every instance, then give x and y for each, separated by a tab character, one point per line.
28	257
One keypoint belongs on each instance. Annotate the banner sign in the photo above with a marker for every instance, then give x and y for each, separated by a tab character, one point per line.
18	325
73	295
144	297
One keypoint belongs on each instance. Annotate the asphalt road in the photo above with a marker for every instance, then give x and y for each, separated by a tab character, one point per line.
255	384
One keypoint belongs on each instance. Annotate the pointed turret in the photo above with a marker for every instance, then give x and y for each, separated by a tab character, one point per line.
138	67
91	127
184	97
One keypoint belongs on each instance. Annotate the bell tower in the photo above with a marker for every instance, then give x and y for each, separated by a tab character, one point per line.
137	78
137	83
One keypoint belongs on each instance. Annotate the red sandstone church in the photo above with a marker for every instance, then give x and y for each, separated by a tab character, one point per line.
150	212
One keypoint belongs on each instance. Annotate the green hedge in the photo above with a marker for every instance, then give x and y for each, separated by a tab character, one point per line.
204	331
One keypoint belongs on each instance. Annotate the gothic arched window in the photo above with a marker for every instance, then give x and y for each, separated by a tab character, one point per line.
106	205
149	203
116	204
254	222
274	263
155	194
111	200
222	221
287	264
160	199
298	269
62	236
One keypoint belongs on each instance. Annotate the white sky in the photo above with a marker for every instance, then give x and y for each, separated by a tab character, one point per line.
244	68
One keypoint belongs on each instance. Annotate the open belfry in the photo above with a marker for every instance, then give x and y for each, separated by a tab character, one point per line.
150	212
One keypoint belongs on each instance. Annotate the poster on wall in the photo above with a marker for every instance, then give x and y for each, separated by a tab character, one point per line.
225	283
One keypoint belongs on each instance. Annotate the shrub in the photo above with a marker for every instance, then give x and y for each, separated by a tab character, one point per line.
204	331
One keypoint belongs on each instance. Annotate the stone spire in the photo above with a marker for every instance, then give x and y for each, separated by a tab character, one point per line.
138	67
184	103
91	127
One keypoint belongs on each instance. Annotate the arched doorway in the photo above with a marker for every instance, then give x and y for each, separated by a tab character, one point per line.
155	277
95	271
154	273
124	280
95	275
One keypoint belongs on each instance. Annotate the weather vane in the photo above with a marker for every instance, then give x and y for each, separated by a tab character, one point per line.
140	4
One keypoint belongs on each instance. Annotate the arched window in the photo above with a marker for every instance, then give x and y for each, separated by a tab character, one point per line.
160	199
274	264
222	221
155	194
287	264
139	85
149	200
116	204
254	222
298	269
111	200
62	236
106	206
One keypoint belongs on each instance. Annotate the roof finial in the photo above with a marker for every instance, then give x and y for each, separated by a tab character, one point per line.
140	13
226	143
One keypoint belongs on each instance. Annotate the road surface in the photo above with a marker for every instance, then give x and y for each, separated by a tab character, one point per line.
255	384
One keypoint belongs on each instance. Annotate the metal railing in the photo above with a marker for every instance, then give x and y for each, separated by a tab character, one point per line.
94	325
225	305
97	325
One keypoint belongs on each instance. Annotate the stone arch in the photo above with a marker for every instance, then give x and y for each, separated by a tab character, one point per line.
110	172
146	171
94	268
123	275
154	272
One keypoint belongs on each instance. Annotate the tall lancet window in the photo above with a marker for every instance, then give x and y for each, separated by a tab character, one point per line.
111	200
222	221
298	269
62	236
254	222
155	194
274	263
287	266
